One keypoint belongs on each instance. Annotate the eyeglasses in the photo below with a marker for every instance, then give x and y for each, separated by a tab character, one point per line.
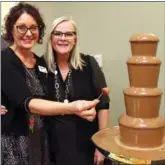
68	35
23	29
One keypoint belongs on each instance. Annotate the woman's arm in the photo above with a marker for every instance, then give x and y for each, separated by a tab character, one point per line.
18	96
99	82
45	107
103	119
103	122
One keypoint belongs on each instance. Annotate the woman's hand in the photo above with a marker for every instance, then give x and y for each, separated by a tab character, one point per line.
98	157
3	110
87	114
80	106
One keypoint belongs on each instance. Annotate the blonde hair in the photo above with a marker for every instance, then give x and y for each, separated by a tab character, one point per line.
75	60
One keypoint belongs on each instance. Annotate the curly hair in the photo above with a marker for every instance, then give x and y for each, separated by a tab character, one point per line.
15	12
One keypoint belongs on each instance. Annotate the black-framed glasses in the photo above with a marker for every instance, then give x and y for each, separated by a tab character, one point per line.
22	29
68	35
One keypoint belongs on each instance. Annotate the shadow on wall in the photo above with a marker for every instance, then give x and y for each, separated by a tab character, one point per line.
4	43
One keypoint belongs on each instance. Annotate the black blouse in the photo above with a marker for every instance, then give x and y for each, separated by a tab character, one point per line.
86	84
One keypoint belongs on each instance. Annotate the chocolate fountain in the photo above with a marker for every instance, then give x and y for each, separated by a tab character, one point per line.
140	133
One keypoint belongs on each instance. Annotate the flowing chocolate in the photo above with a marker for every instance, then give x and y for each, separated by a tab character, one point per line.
142	98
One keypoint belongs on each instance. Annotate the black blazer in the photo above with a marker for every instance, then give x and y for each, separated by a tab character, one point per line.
15	94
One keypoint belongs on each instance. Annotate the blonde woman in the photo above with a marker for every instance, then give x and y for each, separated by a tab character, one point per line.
73	76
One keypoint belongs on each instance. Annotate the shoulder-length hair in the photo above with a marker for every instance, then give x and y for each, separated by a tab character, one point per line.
76	60
13	15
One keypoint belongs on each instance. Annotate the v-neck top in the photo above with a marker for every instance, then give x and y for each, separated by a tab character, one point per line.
85	84
71	134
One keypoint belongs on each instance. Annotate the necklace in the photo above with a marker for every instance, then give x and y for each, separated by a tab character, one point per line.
67	85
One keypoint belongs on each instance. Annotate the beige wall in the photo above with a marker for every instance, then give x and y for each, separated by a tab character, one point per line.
5	7
105	27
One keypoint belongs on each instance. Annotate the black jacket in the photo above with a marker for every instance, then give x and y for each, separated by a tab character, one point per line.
15	94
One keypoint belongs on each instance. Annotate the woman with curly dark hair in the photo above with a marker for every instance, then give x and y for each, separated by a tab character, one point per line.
23	91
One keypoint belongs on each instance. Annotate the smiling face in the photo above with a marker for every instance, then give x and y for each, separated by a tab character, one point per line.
25	32
63	38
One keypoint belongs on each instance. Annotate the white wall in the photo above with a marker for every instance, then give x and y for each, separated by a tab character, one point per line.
105	27
5	7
